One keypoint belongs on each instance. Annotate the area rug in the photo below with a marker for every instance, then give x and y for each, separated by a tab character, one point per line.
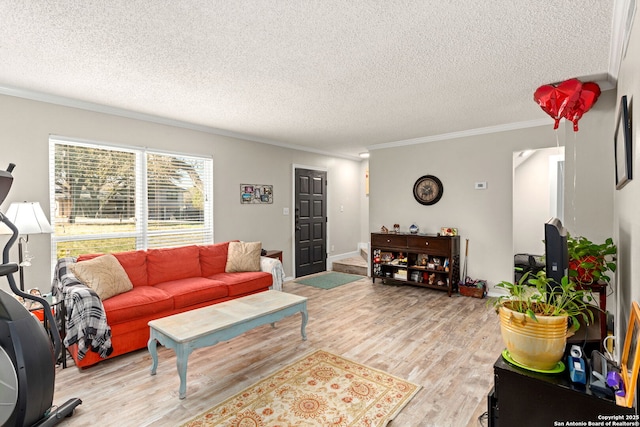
322	390
329	280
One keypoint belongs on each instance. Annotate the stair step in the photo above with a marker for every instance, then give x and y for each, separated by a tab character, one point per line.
355	265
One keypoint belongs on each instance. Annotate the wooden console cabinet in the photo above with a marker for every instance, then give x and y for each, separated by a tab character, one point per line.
416	259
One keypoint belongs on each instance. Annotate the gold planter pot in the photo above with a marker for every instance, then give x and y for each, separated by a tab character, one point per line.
539	345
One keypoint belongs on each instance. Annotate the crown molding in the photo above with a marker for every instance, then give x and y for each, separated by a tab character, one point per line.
461	134
623	13
604	81
130	114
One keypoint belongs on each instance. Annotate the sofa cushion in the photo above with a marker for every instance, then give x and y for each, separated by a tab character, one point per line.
213	258
243	256
139	302
104	275
133	262
194	290
243	283
168	264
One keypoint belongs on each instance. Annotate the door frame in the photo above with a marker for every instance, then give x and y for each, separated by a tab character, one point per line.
292	212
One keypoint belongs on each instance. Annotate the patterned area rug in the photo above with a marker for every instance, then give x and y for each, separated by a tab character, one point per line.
329	280
322	390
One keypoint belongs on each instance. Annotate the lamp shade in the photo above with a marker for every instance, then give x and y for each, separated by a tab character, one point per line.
28	218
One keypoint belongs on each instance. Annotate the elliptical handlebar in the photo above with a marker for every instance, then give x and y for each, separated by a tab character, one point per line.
8	268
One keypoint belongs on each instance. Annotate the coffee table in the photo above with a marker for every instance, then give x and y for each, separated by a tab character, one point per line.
207	326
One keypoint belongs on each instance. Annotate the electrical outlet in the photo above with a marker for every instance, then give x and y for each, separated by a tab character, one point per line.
481	185
285	211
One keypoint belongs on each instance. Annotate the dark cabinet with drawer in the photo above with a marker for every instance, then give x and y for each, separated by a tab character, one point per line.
530	399
416	259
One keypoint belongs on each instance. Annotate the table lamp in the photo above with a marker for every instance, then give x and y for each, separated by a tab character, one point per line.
28	218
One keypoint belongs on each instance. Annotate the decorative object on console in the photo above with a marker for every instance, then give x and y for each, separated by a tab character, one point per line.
623	146
256	194
448	231
384	229
413	229
396	228
534	318
428	190
29	218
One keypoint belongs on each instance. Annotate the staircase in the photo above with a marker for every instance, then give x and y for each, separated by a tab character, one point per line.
354	265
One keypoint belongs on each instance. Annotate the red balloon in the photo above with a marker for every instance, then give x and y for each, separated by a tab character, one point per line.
588	96
555	100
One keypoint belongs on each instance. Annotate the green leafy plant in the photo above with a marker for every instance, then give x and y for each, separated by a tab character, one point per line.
590	262
534	296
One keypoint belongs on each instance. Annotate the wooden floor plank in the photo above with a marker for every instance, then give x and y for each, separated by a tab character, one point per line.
446	344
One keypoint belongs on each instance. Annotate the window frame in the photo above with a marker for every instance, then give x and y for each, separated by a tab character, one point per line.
141	233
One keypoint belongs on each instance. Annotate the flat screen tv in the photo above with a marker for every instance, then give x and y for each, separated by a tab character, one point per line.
556	252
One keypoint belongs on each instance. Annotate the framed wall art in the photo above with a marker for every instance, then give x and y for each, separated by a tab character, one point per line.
622	145
251	194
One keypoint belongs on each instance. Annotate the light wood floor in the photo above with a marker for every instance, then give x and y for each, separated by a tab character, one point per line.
447	345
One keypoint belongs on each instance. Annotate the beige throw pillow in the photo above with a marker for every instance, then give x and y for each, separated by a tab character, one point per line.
243	256
104	275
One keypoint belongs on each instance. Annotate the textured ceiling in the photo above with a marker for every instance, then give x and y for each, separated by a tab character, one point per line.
330	75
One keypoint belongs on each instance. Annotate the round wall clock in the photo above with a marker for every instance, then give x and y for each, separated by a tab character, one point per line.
428	190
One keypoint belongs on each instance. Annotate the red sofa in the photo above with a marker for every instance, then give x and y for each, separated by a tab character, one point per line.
166	282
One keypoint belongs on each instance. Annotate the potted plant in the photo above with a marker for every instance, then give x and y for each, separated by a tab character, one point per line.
537	316
590	262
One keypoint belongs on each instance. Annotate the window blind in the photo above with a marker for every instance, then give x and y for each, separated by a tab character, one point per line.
108	198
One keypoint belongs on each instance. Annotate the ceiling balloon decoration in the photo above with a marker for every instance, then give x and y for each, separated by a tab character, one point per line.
569	99
588	96
556	99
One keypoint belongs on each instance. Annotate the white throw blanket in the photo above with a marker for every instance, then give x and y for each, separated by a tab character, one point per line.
273	266
86	322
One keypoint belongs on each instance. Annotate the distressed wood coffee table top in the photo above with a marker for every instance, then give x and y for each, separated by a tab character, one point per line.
203	327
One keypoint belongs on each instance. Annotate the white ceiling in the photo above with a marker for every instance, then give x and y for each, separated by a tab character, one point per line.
327	75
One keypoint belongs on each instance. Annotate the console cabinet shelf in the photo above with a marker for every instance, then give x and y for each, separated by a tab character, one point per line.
416	259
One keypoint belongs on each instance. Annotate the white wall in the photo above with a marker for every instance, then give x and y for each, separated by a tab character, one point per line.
627	200
589	185
485	216
27	124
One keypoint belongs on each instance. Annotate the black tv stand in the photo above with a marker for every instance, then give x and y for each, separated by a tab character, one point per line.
523	398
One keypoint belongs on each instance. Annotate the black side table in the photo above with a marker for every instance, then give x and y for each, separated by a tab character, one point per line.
59	313
528	399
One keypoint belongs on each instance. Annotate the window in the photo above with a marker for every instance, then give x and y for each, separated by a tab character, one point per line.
106	198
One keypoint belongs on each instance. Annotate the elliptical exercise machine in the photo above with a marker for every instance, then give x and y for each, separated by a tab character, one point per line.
27	359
